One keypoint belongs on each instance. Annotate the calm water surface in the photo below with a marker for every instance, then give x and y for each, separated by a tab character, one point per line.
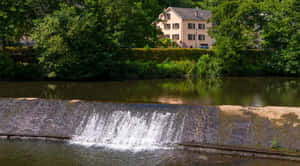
260	91
34	153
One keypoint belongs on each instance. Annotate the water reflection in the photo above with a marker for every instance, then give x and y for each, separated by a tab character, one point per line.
223	91
15	153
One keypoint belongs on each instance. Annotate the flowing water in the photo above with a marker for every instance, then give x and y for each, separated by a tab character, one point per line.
130	130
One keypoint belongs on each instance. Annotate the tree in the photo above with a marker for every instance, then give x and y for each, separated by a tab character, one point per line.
175	3
16	17
44	7
15	20
75	39
271	24
207	4
236	26
281	33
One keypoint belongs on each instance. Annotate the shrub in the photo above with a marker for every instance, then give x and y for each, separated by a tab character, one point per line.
209	66
160	55
22	54
9	69
7	66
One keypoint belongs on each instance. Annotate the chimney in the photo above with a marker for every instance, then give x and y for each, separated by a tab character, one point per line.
197	13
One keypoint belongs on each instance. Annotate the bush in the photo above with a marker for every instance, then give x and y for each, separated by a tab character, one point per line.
209	66
22	54
7	66
9	69
160	55
144	63
284	62
175	68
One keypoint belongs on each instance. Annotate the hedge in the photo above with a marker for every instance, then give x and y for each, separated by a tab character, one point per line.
176	54
162	54
157	55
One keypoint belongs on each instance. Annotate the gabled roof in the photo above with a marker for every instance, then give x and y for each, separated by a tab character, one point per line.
189	13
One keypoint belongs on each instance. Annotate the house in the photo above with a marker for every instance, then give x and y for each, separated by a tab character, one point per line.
188	27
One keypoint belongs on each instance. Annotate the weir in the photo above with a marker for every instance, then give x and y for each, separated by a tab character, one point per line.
148	126
130	130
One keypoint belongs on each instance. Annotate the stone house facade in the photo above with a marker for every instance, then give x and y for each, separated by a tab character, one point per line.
188	27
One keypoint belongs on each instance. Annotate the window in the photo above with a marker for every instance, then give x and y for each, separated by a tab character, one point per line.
201	26
175	37
176	26
191	37
168	16
166	36
201	37
167	26
191	26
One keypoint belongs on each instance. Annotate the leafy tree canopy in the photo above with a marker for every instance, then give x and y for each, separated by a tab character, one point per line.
77	36
15	19
270	24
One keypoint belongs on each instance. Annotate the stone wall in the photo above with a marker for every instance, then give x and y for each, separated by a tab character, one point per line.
251	127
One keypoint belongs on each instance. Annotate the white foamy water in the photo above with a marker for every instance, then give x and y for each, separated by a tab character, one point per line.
127	130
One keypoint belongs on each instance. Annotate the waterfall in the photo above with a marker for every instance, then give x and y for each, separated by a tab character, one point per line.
130	130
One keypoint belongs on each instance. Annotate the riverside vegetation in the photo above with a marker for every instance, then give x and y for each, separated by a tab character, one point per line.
93	39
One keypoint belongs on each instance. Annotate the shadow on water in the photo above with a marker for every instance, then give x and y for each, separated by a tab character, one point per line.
222	91
35	153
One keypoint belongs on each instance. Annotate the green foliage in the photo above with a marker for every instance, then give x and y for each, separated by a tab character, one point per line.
75	39
274	144
6	66
232	40
166	43
144	63
148	69
15	20
175	68
87	39
281	33
270	24
23	54
206	4
175	3
9	69
209	66
160	55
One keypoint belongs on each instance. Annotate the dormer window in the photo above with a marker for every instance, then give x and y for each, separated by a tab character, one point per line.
168	16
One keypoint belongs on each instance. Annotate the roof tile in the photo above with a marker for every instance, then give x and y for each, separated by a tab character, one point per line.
189	13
